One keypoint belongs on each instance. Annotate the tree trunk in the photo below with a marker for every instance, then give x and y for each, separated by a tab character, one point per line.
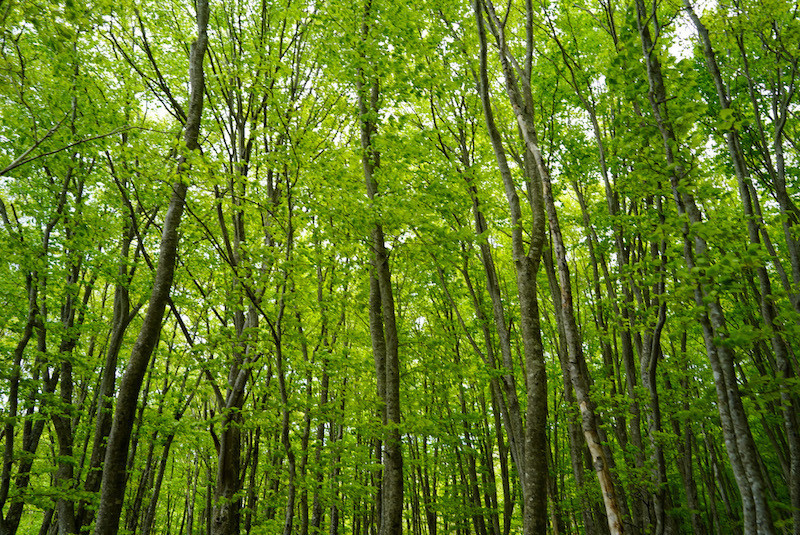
738	439
531	455
381	295
790	403
119	324
114	476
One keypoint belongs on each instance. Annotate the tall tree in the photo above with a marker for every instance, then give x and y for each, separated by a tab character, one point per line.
383	326
114	473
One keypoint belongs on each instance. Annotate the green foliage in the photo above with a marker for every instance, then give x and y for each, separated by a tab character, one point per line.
278	227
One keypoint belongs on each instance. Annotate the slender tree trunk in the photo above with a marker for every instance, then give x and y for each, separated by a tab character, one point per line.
227	498
9	429
317	512
521	102
738	439
381	295
531	456
114	476
133	512
684	459
63	423
576	438
336	434
36	286
150	512
291	484
790	403
119	323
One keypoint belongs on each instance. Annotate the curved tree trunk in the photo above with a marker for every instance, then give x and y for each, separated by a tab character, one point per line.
521	103
529	443
114	474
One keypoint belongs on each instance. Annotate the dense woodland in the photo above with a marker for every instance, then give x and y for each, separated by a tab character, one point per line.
369	268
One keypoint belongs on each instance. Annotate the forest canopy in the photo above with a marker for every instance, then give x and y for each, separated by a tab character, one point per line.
364	268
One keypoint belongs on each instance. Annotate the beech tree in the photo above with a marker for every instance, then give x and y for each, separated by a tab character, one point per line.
371	268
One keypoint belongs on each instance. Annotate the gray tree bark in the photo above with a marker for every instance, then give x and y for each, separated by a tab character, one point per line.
529	442
790	406
518	90
114	474
382	297
736	429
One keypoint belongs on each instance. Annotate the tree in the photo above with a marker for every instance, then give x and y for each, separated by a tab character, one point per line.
114	473
561	237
